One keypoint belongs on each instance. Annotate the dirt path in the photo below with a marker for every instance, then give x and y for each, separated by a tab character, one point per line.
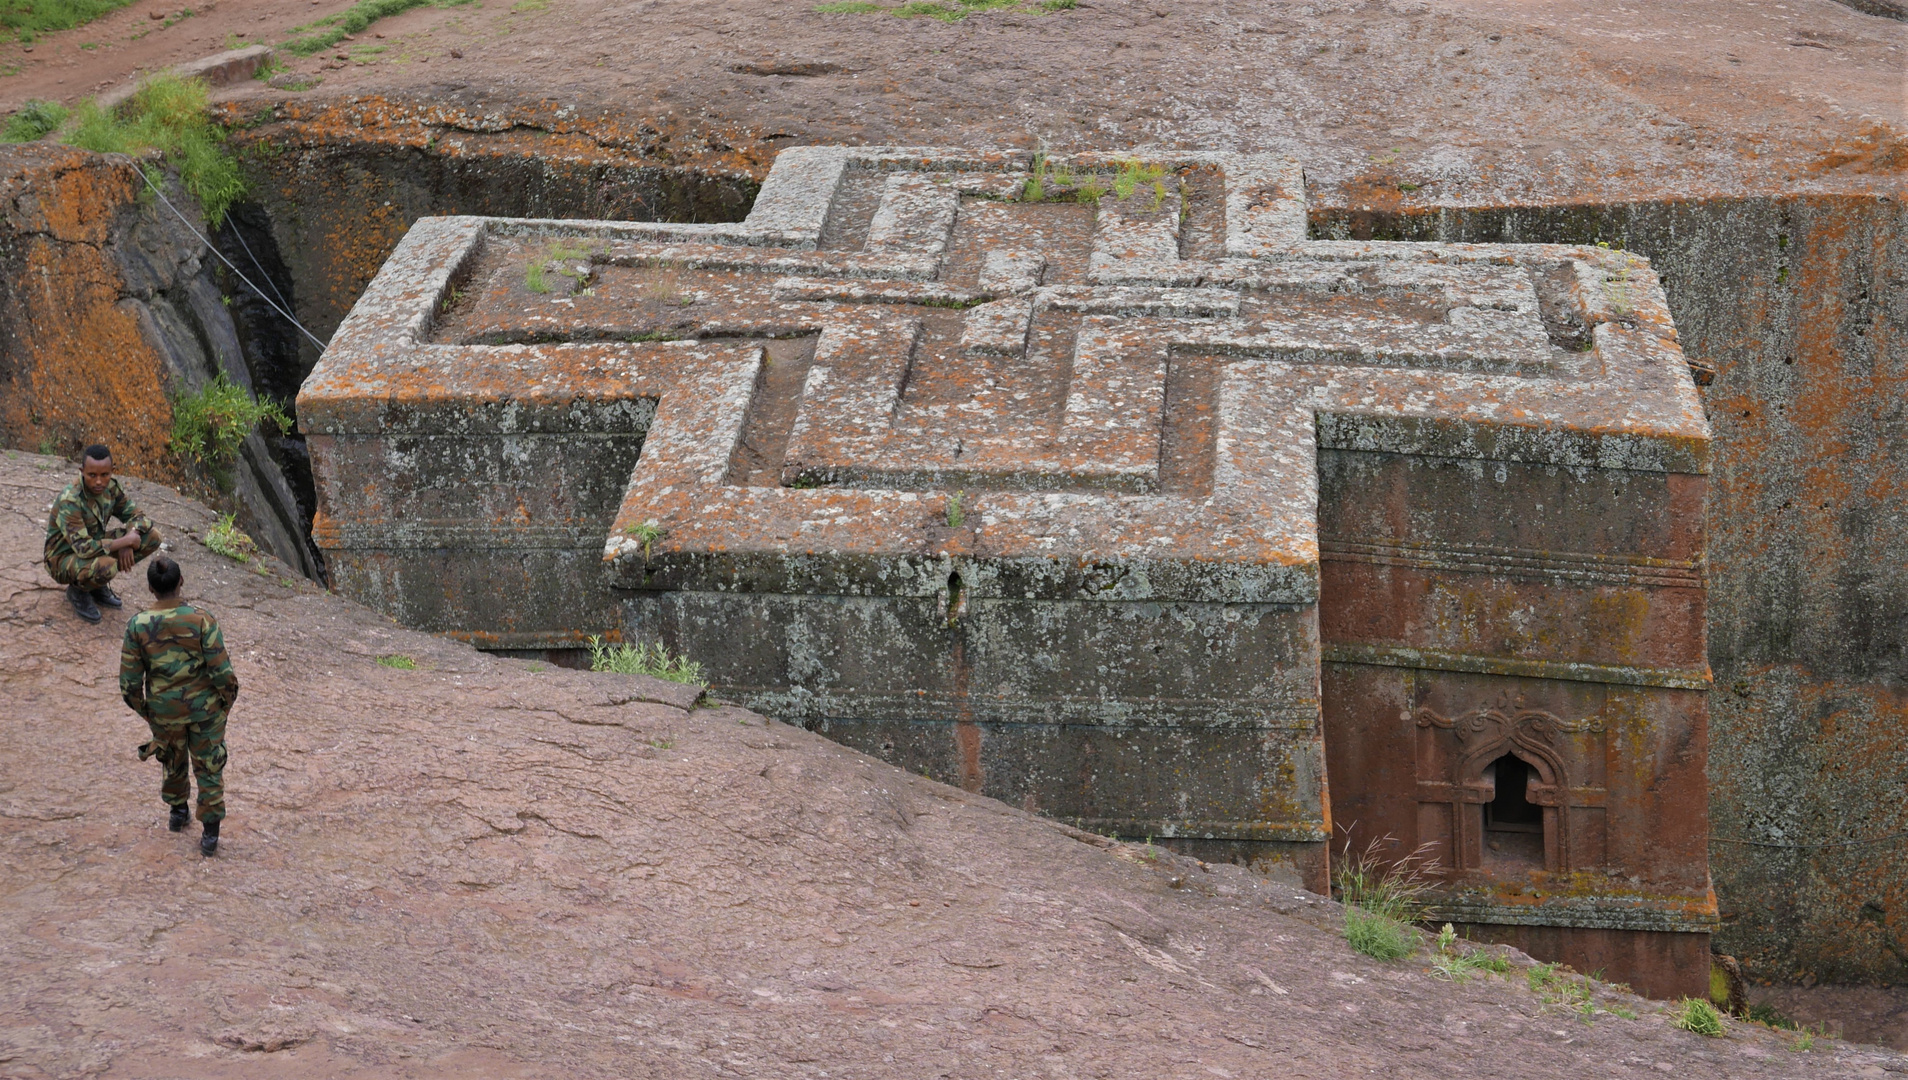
485	867
1431	101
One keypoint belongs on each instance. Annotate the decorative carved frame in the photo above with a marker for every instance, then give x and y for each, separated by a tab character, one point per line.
1537	737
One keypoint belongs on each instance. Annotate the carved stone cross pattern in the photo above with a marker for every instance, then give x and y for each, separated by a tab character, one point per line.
1009	469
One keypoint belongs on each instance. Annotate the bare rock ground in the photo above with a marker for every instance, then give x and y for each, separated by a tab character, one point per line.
491	867
1443	101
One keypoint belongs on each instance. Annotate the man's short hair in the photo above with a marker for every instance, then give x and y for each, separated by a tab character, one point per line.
163	575
97	452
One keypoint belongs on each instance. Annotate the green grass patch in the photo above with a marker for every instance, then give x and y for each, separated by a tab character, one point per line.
1698	1016
34	120
25	20
315	37
640	659
224	538
1381	901
209	425
398	661
168	114
1460	964
931	9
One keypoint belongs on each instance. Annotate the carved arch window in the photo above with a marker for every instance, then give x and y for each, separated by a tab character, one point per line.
1483	737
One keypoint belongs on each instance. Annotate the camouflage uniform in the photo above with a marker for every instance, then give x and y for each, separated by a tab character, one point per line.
76	534
174	672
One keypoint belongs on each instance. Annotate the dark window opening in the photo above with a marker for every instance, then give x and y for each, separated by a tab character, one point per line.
1511	810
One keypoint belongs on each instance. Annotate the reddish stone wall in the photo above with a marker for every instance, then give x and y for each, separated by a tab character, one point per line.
75	364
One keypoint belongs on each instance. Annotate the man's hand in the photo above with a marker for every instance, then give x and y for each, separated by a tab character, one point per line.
123	547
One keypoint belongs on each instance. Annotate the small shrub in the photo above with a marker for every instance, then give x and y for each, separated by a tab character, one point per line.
35	120
640	659
168	114
398	661
1698	1016
224	538
208	426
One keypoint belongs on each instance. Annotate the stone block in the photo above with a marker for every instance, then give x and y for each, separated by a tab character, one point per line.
1218	535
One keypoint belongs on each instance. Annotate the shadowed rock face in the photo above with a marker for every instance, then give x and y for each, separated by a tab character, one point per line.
1132	506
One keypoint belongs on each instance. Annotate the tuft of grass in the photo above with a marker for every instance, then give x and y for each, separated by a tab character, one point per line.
932	9
1035	189
1379	937
1381	901
316	37
1698	1016
168	114
398	661
848	7
640	659
559	257
1459	965
34	120
208	426
648	534
25	20
224	538
534	279
1059	5
1132	174
954	514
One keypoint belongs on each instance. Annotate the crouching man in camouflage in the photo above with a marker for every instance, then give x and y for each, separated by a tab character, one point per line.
174	672
82	552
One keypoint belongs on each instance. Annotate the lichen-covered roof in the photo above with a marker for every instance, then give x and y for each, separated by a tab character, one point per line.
1035	364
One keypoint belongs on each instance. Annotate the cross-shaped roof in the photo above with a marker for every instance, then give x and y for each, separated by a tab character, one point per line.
996	365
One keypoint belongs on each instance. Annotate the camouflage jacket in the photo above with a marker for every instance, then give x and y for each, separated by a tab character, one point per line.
173	667
77	525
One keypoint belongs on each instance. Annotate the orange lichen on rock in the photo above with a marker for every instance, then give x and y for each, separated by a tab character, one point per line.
79	367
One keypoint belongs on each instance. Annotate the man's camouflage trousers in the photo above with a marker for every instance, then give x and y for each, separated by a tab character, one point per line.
200	743
90	574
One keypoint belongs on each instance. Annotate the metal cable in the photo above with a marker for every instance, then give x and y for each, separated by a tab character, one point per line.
228	263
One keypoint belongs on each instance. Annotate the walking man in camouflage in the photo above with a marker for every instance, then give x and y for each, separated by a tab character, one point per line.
174	672
82	552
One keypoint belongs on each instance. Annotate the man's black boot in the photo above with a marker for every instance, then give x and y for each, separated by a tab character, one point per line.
82	603
178	819
104	595
209	842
